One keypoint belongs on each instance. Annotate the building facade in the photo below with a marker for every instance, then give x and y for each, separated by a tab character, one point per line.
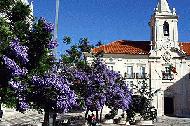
163	62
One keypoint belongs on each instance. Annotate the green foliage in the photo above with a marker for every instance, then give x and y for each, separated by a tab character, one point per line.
67	40
131	116
5	33
40	58
5	5
21	30
15	22
18	23
19	12
20	19
8	97
84	45
111	114
74	55
99	43
141	103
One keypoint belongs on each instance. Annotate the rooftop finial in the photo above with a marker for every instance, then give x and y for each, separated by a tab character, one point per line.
163	6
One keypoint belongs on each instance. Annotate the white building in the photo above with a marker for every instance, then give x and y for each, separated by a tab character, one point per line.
163	61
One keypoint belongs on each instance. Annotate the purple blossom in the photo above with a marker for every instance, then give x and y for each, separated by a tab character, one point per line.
103	86
19	89
13	67
19	50
17	85
118	97
37	80
95	101
65	102
23	105
52	44
47	26
66	98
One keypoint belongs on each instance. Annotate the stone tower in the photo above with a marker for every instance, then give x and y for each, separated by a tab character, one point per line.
164	29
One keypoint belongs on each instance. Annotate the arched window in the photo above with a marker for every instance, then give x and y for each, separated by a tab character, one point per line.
166	29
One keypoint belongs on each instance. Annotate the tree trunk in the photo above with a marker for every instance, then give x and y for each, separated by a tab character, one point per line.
49	118
54	115
46	118
86	114
97	116
1	111
101	115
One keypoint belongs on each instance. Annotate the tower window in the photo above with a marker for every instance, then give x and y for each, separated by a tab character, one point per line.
166	29
152	37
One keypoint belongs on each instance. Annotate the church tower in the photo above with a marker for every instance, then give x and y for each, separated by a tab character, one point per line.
164	29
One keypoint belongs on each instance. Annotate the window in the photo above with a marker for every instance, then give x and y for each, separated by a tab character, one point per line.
129	73
142	70
152	30
141	74
166	29
167	74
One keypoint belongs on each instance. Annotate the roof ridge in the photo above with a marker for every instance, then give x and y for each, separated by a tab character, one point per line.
185	42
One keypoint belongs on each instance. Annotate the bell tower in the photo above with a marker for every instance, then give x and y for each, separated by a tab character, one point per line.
163	25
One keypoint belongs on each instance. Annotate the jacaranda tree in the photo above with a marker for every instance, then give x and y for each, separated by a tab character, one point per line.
101	86
95	83
27	62
51	92
14	27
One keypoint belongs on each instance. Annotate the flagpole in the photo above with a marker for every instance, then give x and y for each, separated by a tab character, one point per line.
56	24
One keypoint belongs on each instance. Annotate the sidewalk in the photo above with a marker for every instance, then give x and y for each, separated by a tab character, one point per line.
14	118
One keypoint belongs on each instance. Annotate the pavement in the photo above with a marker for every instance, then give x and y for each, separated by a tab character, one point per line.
33	118
172	121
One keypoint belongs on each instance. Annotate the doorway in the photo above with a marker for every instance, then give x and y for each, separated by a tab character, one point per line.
168	106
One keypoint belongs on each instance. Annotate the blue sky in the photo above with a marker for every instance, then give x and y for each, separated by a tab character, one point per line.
108	20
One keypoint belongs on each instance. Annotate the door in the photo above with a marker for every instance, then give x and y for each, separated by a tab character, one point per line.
168	106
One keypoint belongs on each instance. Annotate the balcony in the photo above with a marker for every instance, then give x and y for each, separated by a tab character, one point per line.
141	75
136	76
129	76
167	76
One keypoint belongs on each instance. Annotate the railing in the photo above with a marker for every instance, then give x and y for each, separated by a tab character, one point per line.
141	75
136	75
129	76
167	76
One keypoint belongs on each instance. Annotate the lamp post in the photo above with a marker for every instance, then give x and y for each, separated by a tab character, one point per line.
52	115
56	23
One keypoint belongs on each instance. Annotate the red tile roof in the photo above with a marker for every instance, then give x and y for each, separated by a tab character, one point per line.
133	47
125	47
185	46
